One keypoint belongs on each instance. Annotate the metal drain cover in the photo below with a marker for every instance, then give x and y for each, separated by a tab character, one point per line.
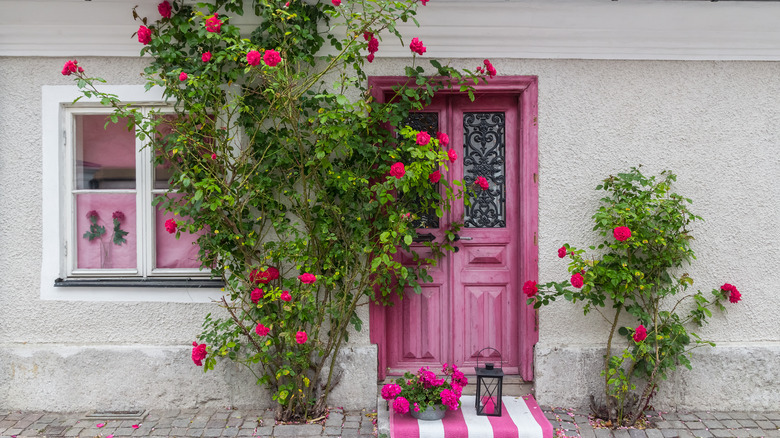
116	415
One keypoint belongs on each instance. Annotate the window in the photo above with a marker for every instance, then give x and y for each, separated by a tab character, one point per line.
93	173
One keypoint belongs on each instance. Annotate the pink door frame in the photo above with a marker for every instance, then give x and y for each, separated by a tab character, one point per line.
526	89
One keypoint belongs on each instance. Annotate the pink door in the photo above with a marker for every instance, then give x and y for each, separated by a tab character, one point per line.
475	299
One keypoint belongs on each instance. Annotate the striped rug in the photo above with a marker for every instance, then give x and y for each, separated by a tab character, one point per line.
522	418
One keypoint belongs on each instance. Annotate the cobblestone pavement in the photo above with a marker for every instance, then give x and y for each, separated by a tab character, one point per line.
238	423
572	423
184	423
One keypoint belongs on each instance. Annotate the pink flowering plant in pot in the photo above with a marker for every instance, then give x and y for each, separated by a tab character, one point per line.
636	273
302	187
418	392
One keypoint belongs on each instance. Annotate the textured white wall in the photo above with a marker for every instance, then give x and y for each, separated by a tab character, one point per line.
716	124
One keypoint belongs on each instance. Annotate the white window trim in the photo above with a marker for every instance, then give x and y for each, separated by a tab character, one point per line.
54	232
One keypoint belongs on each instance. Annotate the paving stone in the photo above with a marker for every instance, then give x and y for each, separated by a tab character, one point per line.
766	424
731	424
702	433
247	432
773	433
234	422
124	431
332	430
670	433
603	433
740	433
565	425
637	433
216	424
231	431
774	416
670	416
748	423
722	416
687	417
705	415
571	433
7	423
685	433
740	415
264	430
713	424
587	432
194	432
694	425
55	430
220	416
29	432
721	433
212	432
550	416
654	433
350	433
756	432
178	431
756	416
677	424
298	430
180	423
620	433
73	431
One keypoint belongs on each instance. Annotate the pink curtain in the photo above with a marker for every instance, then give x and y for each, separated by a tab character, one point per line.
173	253
101	252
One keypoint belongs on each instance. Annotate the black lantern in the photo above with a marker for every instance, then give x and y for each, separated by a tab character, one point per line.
489	383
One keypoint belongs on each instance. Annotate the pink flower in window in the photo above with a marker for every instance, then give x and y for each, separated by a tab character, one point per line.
198	354
452	155
206	57
443	138
301	337
307	278
182	76
482	182
253	57
118	215
92	213
144	35
170	226
256	295
286	296
165	9
262	330
423	138
214	24
435	176
417	46
397	170
271	58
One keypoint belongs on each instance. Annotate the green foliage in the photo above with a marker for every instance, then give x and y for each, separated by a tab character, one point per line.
640	275
95	231
287	168
119	234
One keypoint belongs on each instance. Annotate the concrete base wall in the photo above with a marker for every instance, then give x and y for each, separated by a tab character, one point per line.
724	378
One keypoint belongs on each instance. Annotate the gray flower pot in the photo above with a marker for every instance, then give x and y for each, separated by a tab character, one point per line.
430	413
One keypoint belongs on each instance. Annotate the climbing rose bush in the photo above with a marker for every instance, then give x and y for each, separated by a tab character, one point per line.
637	272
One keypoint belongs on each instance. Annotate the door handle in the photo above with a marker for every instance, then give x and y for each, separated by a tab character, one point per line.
458	237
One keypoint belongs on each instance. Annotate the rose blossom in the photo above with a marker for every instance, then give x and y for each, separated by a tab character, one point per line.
144	35
301	337
373	44
253	57
640	334
423	138
367	35
443	138
424	2
397	170
435	176
490	69
307	278
336	2
118	215
206	57
92	213
198	353
452	155
262	330
271	58
182	76
417	46
164	9
390	391
286	296
622	233
258	276
256	295
734	295
71	67
401	405
529	288
370	57
170	226
562	252
577	280
214	24
482	182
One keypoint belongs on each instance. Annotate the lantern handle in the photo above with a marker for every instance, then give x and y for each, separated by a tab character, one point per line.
500	358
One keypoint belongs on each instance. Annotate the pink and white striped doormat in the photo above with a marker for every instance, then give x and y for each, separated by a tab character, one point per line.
522	418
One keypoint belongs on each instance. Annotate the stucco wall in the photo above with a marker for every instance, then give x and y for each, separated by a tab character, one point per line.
716	124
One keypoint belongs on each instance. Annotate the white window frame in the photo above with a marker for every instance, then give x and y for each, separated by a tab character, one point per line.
59	231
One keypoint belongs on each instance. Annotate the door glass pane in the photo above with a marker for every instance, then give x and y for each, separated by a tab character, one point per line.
427	122
105	154
484	154
100	243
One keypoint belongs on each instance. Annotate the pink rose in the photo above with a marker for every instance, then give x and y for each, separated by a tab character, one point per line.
482	182
529	288
640	334
253	57
367	35
373	44
182	76
435	177
490	69
734	295
423	138
301	337
336	2
198	353
271	58
443	138
144	35
577	280
214	24
453	155
206	57
370	57
265	276
213	156
562	252
256	295
401	405
622	233
286	296
307	278
165	9
170	226
424	2
397	170
71	67
417	46
262	330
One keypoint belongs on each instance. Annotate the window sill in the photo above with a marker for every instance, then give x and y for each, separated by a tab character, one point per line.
141	282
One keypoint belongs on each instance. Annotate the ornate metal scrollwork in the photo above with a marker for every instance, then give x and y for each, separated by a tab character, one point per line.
484	154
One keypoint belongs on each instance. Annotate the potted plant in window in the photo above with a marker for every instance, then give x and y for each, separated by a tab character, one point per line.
424	395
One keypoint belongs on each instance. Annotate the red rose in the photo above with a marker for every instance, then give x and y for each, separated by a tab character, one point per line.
262	330
373	44
301	337
397	170
265	276
206	57
165	9
71	67
443	138
529	288
253	57
118	215
182	76
424	2
622	233
562	252
144	35
214	24
435	177
307	278
271	58
370	57
198	353
482	182
170	226
452	155
417	46
577	280
423	138
734	295
490	69
286	296
640	333
256	295
367	35
336	2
